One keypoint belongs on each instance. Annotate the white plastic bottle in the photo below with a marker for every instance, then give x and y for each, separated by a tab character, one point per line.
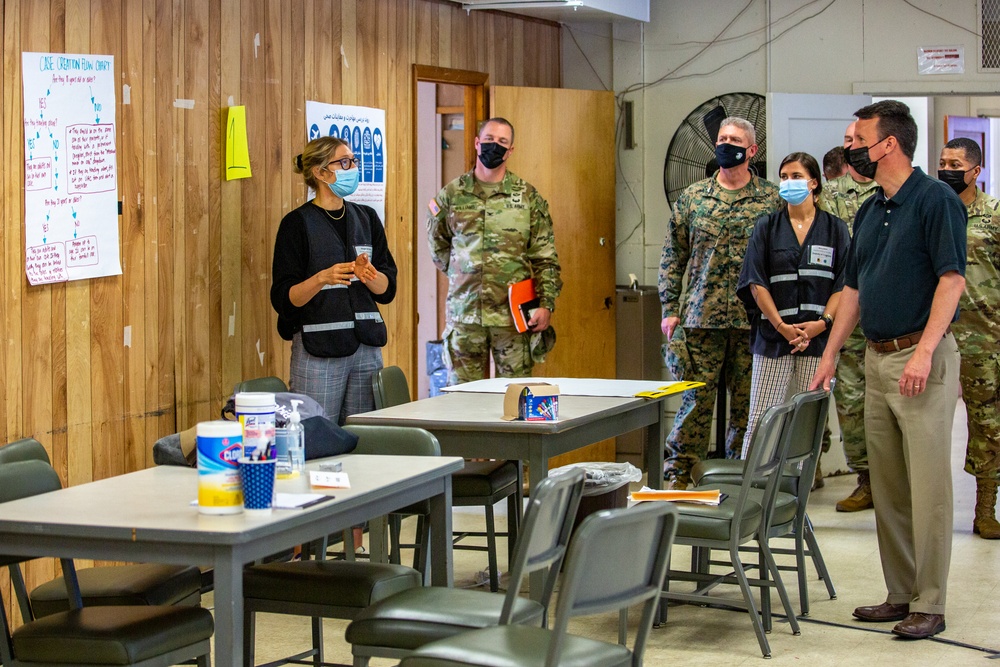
296	440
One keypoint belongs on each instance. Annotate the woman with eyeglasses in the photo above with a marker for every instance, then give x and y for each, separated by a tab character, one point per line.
793	273
332	266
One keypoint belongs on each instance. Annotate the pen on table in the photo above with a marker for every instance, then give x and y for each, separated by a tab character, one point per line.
317	501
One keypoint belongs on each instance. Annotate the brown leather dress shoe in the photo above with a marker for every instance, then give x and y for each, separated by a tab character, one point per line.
920	626
881	613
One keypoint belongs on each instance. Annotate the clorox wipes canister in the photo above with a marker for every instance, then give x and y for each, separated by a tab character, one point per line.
220	446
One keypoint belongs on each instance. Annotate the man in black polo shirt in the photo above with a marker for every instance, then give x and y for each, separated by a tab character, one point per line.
905	274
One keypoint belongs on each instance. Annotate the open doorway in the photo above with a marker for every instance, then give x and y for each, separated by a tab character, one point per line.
450	106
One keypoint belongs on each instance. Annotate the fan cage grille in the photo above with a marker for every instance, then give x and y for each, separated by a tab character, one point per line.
692	149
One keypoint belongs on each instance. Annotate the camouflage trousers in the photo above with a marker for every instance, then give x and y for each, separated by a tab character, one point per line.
467	350
849	395
700	355
980	377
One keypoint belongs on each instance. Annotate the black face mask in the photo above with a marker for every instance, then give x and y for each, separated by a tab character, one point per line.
730	155
862	162
955	178
491	154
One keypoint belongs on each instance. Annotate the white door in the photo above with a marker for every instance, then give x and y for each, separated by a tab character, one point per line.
809	123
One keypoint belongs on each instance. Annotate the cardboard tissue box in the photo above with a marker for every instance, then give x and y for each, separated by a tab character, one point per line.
532	401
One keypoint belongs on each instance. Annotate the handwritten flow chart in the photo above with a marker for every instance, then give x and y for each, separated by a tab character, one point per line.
70	168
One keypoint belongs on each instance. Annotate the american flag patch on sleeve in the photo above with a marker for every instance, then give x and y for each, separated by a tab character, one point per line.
432	205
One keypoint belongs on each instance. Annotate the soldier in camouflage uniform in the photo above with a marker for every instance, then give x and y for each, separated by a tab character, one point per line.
486	230
977	328
843	197
707	327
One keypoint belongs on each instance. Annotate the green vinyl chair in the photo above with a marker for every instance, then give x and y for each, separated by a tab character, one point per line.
136	584
745	515
598	579
140	635
402	623
479	484
269	383
321	588
800	468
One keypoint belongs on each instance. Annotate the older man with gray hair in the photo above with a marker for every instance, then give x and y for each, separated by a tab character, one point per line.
706	324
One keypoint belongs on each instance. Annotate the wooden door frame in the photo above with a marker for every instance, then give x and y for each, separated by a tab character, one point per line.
476	85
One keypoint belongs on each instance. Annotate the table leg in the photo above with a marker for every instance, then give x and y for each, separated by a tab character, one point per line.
655	435
228	578
377	541
538	469
442	565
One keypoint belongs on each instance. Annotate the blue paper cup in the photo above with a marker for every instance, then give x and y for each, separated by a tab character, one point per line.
257	478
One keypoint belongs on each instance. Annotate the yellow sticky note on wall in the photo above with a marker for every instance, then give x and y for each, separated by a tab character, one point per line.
237	151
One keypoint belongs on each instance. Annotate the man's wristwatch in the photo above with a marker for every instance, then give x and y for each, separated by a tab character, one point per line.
828	320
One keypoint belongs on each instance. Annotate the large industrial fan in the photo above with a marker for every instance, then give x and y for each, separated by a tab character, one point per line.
691	155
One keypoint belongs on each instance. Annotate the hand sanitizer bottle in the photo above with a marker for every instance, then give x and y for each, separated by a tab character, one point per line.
296	440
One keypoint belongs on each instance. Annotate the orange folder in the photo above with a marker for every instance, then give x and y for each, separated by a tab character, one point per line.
523	302
707	497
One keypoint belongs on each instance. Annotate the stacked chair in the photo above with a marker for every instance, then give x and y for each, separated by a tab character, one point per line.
800	468
143	634
401	624
597	579
479	484
746	515
139	584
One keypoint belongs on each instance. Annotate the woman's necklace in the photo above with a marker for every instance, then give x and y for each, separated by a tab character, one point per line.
805	223
342	212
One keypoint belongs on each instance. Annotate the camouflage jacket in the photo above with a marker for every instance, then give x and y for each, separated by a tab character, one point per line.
486	242
843	196
707	238
978	323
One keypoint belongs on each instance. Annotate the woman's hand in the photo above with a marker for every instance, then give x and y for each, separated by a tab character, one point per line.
364	269
338	274
805	332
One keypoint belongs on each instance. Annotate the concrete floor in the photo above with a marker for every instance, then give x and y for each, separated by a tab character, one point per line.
830	636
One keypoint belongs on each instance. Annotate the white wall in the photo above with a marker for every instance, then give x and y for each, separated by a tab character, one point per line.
854	46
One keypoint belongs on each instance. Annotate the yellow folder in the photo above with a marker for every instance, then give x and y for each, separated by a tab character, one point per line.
669	389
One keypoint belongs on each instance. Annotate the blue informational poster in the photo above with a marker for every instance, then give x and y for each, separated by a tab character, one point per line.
364	129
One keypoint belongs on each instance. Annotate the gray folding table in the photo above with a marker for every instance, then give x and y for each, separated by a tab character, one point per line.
147	516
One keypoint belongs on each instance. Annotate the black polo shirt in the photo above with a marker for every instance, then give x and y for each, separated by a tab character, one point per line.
901	247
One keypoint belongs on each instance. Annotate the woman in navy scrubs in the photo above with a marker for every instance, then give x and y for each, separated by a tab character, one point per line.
790	284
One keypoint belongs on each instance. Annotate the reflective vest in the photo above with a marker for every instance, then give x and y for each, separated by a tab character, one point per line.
340	317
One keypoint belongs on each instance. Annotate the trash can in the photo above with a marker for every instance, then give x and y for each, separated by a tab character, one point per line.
605	486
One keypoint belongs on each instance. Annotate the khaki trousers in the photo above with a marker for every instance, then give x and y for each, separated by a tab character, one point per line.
909	454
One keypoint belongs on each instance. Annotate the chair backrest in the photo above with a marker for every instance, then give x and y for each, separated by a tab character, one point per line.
23	479
26	449
399	440
806	437
618	558
806	429
390	388
768	452
543	540
269	383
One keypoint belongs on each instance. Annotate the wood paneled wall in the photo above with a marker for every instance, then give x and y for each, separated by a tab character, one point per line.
196	249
